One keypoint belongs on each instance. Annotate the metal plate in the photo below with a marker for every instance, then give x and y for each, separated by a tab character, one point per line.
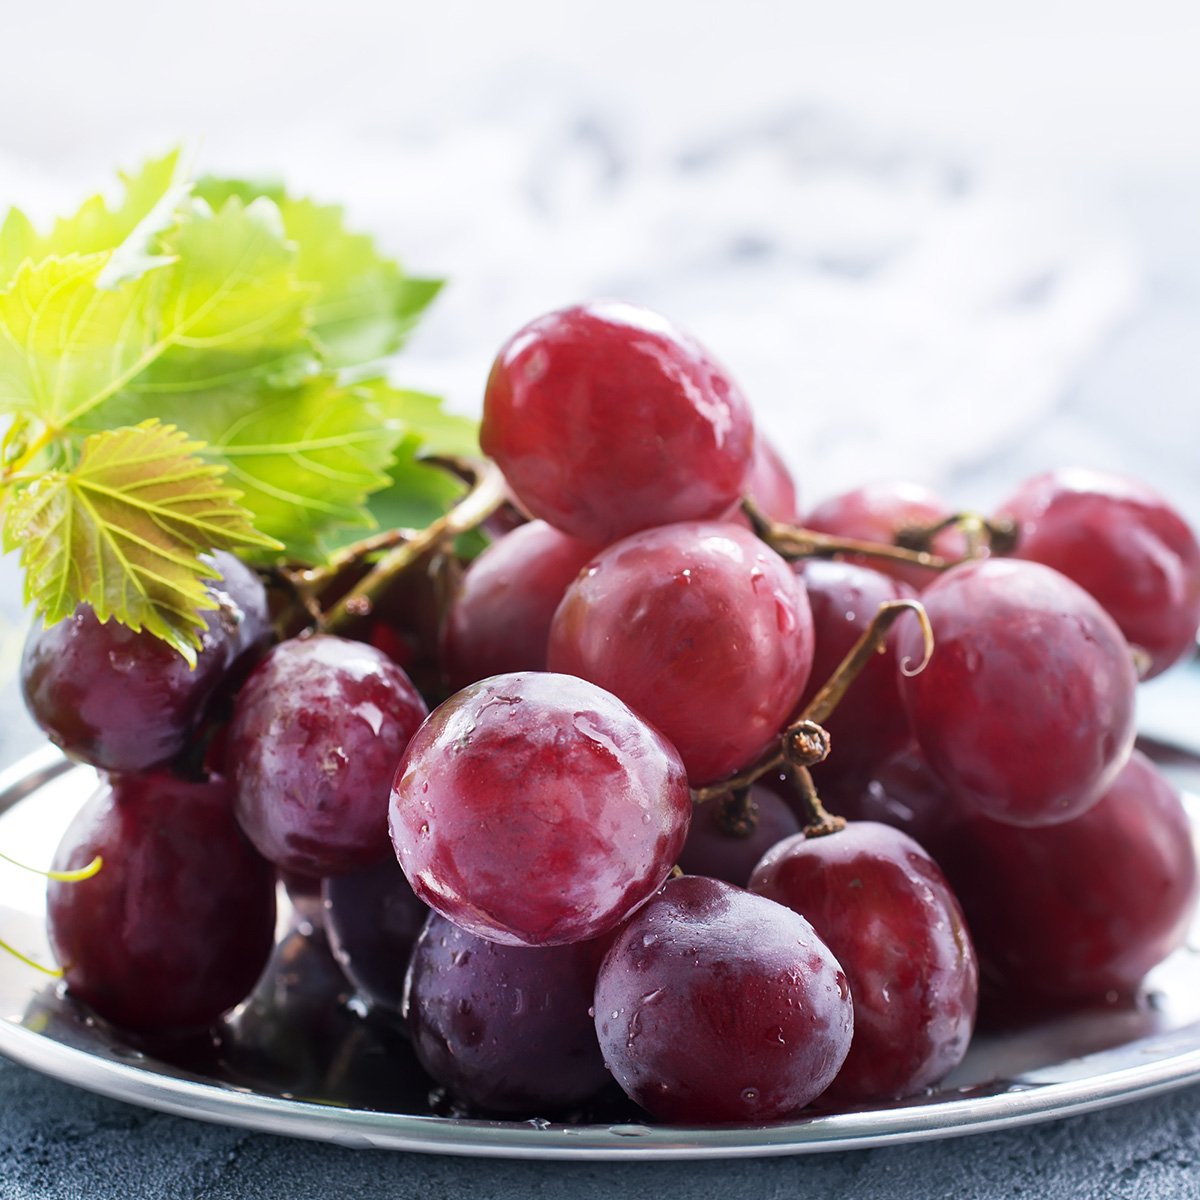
298	1060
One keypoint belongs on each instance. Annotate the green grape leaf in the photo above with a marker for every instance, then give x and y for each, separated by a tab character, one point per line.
18	242
124	529
64	339
232	306
417	492
226	308
148	204
365	305
305	458
422	415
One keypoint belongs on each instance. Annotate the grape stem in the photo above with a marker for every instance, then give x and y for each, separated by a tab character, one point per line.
794	542
487	494
804	743
739	814
399	549
999	535
821	822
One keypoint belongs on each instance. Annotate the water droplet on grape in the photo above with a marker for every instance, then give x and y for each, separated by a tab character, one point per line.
785	616
750	1095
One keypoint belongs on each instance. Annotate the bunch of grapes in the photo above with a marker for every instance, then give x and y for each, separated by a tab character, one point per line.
609	851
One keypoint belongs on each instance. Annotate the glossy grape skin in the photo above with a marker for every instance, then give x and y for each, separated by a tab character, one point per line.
1120	541
126	701
505	1028
715	1005
877	512
537	809
1087	907
885	910
500	619
316	735
605	419
770	484
373	920
869	723
712	850
702	629
1025	709
177	925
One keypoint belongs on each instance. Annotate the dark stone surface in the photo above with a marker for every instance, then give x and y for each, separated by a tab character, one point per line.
58	1143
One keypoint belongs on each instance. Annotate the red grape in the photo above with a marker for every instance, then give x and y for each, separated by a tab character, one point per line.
605	419
126	701
178	923
317	732
716	1005
877	512
769	483
505	1028
1026	707
882	906
537	809
500	619
702	629
1086	907
869	723
1119	540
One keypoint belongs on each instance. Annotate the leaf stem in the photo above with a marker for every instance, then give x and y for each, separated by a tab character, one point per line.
31	452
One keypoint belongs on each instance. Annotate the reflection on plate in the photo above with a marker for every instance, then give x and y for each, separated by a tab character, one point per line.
298	1058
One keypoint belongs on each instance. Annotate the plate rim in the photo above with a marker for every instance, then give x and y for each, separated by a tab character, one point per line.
182	1094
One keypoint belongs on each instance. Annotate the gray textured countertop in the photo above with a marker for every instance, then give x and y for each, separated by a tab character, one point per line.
56	1142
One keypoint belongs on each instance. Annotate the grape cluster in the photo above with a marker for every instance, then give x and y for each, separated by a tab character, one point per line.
606	852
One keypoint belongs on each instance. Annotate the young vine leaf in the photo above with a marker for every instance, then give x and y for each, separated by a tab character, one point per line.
365	306
124	530
161	348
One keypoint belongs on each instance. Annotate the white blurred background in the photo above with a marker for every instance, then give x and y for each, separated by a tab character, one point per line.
957	242
908	229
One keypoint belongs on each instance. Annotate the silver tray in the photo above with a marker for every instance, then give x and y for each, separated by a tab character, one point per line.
323	1070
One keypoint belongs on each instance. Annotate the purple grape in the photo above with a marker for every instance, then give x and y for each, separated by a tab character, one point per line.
869	723
317	732
373	920
877	512
178	923
505	1028
127	701
714	850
